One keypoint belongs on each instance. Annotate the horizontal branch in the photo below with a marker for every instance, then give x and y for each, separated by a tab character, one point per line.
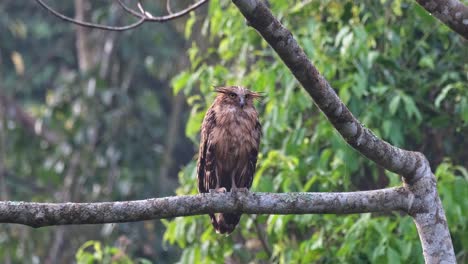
429	214
47	214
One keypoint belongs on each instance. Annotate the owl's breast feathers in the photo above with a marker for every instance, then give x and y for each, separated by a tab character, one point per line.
236	136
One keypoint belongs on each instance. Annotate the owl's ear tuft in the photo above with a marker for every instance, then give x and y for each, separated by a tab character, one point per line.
221	89
257	95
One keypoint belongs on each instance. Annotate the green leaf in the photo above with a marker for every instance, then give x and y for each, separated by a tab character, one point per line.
143	261
194	124
180	81
341	34
189	25
427	18
427	62
443	94
410	108
394	103
393	256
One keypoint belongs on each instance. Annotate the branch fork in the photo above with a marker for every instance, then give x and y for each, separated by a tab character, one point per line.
418	196
424	203
142	15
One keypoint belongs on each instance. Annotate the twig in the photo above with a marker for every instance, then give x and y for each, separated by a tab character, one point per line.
143	11
144	16
129	10
168	6
87	24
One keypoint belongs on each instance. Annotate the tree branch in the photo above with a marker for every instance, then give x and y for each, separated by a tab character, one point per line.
394	159
168	6
452	13
87	24
47	214
413	166
144	16
129	10
419	197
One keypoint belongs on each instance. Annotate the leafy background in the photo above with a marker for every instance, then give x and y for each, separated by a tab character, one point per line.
130	128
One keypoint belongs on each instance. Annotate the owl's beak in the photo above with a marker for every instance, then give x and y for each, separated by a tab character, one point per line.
242	101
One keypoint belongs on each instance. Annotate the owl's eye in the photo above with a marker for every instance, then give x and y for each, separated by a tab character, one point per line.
232	95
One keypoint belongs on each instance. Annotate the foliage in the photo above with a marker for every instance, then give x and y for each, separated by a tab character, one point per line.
398	69
104	255
402	78
113	119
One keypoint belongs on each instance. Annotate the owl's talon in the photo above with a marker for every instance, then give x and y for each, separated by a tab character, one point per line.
242	189
218	190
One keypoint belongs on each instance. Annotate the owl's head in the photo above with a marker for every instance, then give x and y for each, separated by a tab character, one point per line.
236	96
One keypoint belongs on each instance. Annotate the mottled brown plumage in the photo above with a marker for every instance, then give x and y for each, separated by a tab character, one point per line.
230	136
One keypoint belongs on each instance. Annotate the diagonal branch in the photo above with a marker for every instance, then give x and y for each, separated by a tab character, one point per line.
452	13
394	159
413	166
47	214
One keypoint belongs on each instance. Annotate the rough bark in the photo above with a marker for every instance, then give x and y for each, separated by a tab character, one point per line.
430	221
47	214
452	13
400	161
413	166
418	197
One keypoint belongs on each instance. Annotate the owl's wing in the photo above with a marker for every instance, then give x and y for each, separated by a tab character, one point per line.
206	166
246	180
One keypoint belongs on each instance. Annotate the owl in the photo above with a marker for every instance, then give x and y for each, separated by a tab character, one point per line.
230	137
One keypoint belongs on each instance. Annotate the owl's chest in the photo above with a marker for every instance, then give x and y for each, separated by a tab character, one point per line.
233	138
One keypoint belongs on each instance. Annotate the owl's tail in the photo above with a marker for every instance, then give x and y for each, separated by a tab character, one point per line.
225	223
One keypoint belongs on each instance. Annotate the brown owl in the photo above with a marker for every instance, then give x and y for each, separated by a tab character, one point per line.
230	136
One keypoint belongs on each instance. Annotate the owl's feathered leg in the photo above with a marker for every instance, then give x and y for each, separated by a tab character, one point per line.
242	189
234	187
218	188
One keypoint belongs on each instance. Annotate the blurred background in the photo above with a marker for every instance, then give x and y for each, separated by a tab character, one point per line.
89	115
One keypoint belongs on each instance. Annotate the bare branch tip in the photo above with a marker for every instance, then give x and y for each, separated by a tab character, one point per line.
143	16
